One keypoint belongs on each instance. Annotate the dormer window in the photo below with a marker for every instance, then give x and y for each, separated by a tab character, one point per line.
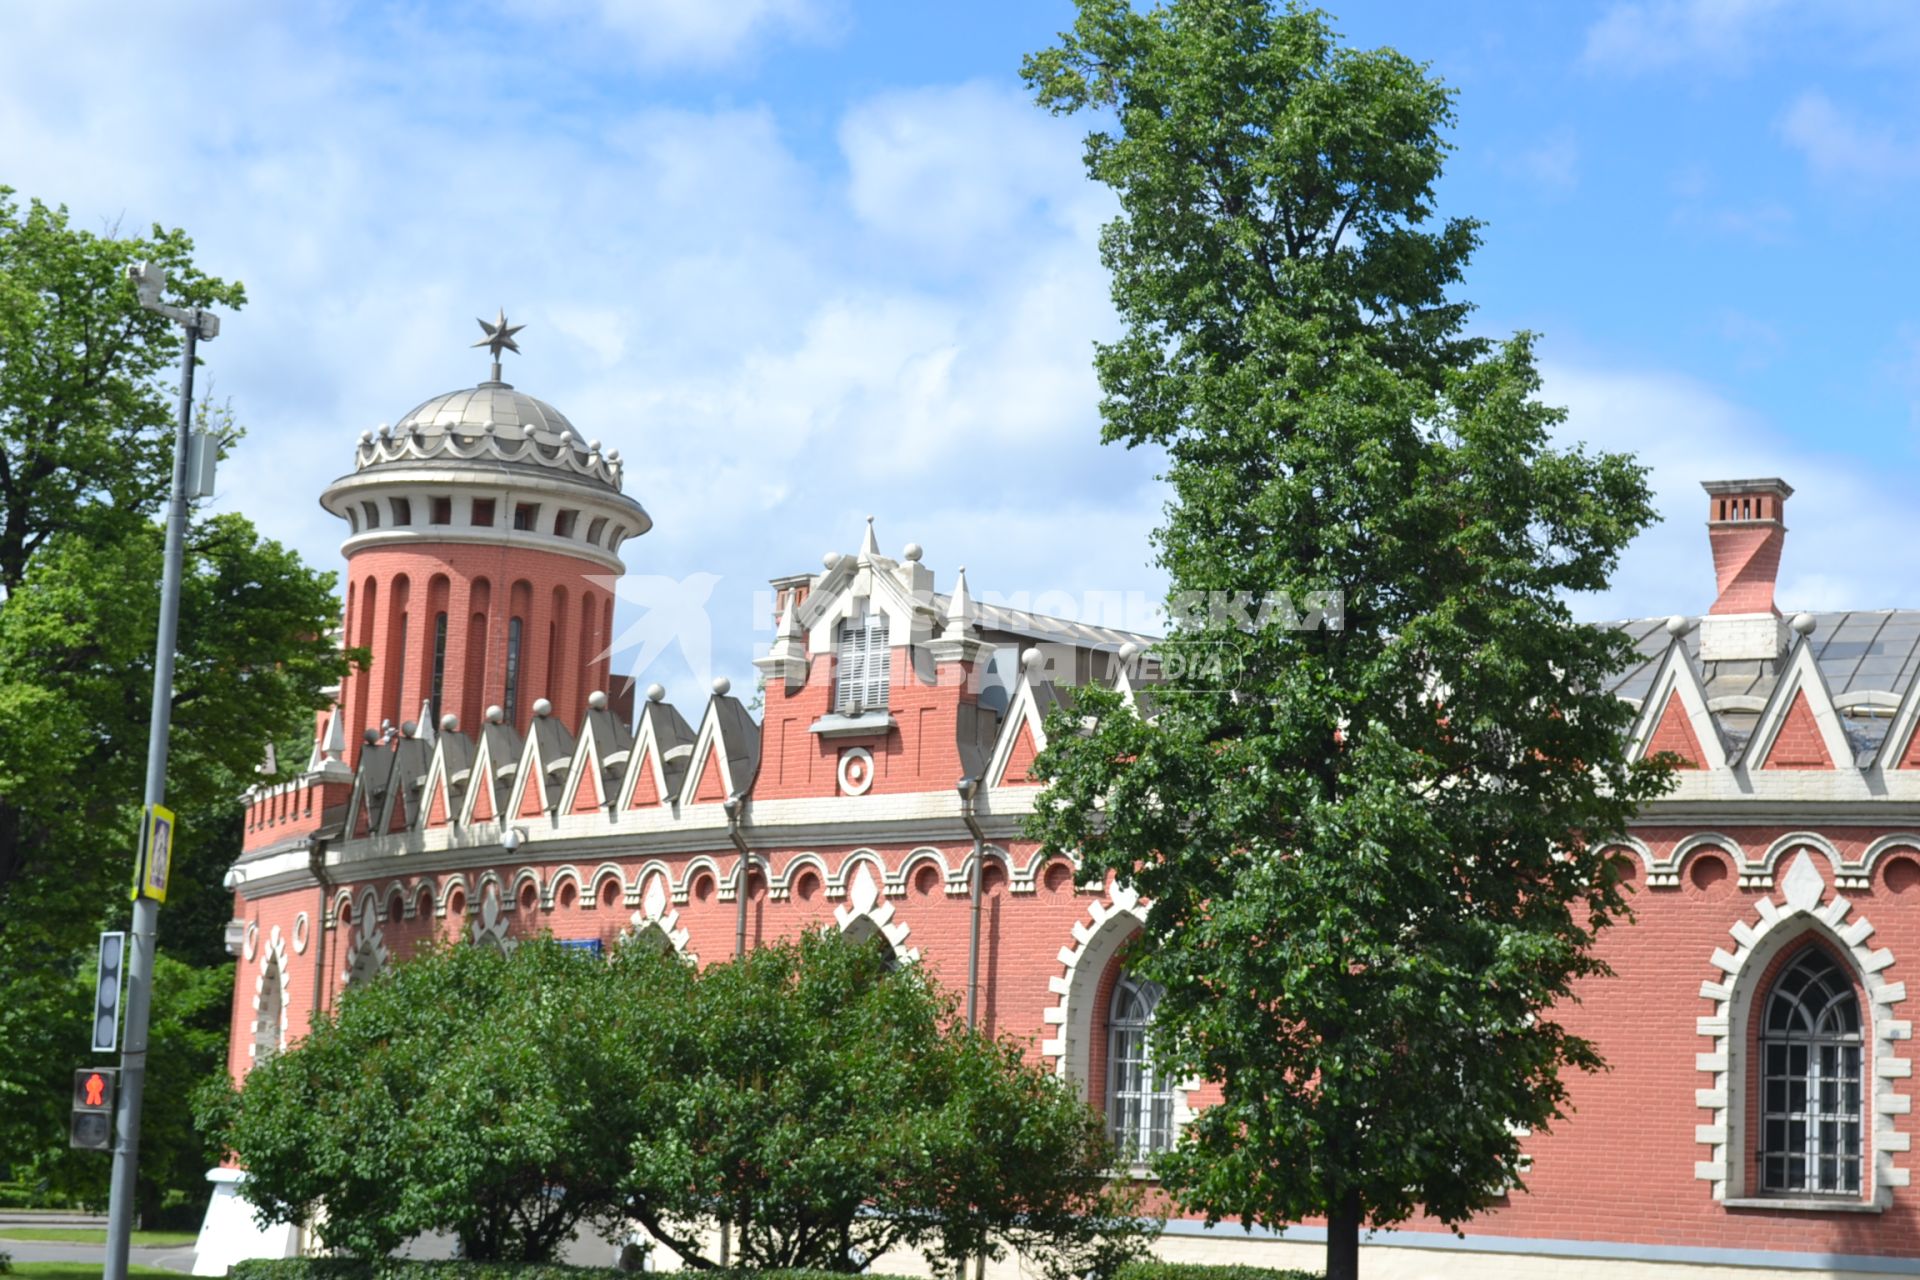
862	666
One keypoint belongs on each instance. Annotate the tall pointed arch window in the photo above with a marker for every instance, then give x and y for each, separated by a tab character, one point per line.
266	1023
1139	1100
862	665
1811	1080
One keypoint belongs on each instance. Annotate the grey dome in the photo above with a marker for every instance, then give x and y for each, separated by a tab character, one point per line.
490	402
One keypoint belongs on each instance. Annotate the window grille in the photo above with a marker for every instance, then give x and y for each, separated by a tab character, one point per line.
439	661
1139	1102
511	702
1811	1080
863	664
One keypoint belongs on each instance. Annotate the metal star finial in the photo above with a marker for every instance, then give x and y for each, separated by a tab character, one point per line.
499	338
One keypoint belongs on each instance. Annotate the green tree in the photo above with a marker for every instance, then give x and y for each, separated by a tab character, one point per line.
834	1108
828	1106
86	415
1373	847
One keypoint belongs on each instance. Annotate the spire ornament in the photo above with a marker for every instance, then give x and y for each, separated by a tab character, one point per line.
499	338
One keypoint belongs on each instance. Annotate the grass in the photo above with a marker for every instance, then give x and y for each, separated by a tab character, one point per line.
78	1270
97	1235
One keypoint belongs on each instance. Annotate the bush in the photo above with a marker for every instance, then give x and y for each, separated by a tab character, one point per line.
1149	1270
830	1107
410	1269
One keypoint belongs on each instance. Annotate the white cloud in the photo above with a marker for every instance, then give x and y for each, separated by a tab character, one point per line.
775	356
1838	554
1553	166
950	170
1652	35
699	33
1837	144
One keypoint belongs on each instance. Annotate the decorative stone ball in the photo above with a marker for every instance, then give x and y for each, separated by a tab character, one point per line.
655	692
1678	625
408	728
1804	623
1129	651
912	554
721	686
1030	659
613	456
370	736
386	431
450	723
593	446
597	700
495	714
366	437
830	559
542	708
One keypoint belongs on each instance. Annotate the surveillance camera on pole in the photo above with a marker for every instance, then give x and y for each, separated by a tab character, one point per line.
154	859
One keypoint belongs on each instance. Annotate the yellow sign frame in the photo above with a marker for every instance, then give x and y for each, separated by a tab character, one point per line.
158	829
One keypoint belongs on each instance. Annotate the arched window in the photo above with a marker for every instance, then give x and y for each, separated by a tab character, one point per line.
1811	1080
266	1023
1139	1102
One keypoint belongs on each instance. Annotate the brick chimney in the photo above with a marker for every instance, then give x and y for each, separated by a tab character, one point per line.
1745	526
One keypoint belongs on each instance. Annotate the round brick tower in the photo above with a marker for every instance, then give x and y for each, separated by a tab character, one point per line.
483	550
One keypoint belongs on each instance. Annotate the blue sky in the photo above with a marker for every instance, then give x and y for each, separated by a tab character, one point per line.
809	260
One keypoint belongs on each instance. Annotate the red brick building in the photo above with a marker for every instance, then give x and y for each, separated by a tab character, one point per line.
488	778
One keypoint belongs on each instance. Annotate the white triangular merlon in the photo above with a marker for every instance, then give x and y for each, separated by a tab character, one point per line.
869	545
424	728
1677	675
586	755
1801	675
437	785
533	772
1900	733
481	777
707	744
1024	711
643	756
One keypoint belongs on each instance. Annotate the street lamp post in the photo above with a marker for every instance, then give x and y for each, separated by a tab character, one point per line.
149	280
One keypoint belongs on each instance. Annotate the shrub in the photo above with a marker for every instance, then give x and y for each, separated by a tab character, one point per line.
828	1106
412	1269
1154	1270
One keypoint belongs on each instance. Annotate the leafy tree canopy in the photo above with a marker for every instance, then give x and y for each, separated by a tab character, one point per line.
1373	847
86	429
825	1104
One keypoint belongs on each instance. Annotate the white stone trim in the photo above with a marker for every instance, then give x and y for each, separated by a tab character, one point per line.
1110	924
1677	675
665	926
274	951
866	909
366	953
1734	992
1801	675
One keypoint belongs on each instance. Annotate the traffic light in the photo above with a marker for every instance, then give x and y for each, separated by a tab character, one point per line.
93	1089
106	992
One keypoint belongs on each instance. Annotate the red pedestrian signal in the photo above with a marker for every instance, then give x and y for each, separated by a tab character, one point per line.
93	1089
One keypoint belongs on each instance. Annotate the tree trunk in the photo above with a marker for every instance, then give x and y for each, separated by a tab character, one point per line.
1343	1239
